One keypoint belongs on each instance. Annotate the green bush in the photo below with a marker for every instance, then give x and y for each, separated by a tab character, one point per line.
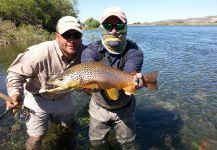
91	23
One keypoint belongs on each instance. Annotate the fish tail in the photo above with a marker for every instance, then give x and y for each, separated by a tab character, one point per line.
151	86
150	80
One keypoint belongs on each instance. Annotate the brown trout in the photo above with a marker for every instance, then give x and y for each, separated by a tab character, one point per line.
99	76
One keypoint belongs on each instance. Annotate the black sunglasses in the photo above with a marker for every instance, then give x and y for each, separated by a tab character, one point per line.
69	35
109	26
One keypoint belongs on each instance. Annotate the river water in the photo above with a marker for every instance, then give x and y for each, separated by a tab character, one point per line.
182	113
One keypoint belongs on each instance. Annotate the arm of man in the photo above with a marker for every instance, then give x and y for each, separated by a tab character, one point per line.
14	83
134	64
22	68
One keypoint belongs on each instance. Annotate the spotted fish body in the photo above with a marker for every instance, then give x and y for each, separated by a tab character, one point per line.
97	75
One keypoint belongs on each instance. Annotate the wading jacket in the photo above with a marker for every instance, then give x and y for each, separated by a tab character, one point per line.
130	60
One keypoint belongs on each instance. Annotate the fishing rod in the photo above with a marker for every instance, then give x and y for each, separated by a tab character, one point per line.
8	99
22	115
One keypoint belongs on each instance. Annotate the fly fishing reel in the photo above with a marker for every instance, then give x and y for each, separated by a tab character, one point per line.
23	115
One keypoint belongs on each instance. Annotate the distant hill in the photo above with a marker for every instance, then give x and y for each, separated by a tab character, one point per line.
209	20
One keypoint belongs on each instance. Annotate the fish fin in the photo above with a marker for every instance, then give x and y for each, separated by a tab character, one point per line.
59	90
112	93
150	80
130	89
90	86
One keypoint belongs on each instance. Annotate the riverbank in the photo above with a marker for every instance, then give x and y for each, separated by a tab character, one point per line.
204	21
9	33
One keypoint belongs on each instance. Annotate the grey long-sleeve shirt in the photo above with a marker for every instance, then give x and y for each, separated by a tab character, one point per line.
33	68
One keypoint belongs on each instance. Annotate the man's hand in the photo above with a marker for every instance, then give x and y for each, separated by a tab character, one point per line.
138	82
17	101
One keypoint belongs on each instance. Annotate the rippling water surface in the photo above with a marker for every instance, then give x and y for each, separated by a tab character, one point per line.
186	60
182	113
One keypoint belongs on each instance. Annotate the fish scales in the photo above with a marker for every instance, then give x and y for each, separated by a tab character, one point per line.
97	72
97	75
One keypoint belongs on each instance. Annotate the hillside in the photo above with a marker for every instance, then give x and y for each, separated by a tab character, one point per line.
209	20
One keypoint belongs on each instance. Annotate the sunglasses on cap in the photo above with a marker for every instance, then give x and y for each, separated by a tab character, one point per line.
69	35
118	26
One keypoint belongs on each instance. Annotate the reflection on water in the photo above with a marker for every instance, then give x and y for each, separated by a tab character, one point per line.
182	114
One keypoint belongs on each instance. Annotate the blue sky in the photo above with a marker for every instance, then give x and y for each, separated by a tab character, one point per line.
149	10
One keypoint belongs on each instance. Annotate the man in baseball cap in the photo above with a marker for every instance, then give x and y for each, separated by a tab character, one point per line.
115	50
42	62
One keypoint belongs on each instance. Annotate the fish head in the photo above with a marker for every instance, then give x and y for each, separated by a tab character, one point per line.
64	83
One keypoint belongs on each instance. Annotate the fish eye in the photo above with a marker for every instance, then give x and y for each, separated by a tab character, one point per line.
60	79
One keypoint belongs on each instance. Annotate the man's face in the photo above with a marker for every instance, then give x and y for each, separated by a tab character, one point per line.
113	24
69	42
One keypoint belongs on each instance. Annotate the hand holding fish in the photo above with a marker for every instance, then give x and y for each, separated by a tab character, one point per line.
138	82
